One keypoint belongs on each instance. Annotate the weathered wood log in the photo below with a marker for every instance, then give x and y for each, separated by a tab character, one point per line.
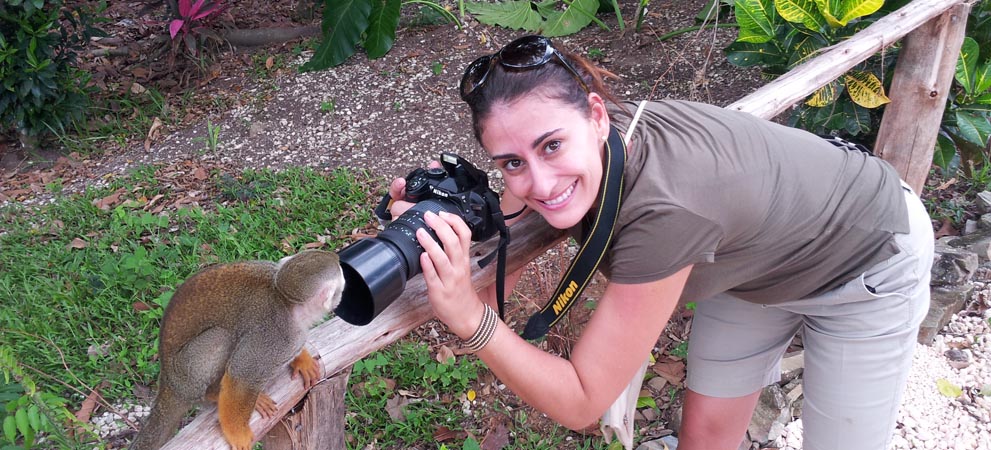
319	422
919	87
790	88
338	344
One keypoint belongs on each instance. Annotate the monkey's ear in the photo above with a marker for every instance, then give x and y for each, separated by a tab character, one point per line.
300	276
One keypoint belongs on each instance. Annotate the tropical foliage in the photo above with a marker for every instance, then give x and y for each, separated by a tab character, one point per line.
779	35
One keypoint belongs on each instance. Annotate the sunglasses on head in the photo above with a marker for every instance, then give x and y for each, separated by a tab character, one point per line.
523	53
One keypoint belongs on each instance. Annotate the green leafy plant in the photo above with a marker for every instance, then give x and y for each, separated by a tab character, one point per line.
965	128
25	412
538	17
777	35
369	23
42	90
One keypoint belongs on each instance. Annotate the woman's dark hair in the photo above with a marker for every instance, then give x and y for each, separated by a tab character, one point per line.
553	80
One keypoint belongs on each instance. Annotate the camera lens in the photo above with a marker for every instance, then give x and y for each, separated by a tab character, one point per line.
376	269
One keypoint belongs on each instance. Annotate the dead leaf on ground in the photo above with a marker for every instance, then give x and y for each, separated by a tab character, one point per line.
200	174
153	133
78	243
140	306
497	438
394	406
443	433
673	371
89	405
444	353
109	201
946	229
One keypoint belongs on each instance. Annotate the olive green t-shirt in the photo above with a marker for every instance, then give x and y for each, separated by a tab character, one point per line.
765	212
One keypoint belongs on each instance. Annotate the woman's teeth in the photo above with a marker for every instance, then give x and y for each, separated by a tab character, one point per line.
562	197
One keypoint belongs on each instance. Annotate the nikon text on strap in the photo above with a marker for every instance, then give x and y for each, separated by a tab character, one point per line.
593	248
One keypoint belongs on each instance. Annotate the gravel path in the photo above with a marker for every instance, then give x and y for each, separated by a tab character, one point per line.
960	357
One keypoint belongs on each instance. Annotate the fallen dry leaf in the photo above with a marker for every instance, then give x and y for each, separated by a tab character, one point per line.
443	433
394	406
89	405
78	243
497	438
153	133
673	371
109	201
946	229
444	353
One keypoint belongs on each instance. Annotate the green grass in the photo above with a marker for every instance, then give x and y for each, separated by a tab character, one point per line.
75	282
71	274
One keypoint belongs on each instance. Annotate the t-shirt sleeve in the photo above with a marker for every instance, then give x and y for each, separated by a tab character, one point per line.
659	241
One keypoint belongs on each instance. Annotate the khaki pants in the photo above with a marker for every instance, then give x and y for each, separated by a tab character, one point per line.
859	339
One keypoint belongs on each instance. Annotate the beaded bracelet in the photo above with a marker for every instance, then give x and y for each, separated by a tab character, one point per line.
485	331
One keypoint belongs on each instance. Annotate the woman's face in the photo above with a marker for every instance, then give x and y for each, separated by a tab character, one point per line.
550	154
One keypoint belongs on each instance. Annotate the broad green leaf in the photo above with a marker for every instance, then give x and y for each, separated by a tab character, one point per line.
982	81
973	127
516	15
828	9
34	417
967	64
756	20
983	99
948	389
10	429
646	401
745	54
944	151
855	9
824	96
382	24
578	15
21	419
804	46
865	89
858	118
804	12
343	23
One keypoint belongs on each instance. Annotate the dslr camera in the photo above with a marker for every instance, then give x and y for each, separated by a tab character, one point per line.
376	269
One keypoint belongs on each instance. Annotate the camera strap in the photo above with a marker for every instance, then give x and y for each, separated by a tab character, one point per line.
593	248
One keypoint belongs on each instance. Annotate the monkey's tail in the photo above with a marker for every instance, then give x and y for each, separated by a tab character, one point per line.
165	418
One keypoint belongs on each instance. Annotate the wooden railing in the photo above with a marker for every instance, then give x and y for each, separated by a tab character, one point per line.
933	31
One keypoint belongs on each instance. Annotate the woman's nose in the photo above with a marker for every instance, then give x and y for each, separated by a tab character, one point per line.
541	181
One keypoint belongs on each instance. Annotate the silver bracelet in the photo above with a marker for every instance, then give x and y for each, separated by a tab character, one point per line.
486	329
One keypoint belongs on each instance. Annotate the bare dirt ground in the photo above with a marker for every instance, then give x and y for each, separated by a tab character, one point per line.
388	116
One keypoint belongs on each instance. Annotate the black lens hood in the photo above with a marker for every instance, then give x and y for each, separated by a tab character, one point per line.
373	278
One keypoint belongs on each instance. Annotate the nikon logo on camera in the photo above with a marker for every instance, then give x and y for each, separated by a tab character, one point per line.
565	297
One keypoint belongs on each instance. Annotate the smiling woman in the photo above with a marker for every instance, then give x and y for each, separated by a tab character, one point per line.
771	230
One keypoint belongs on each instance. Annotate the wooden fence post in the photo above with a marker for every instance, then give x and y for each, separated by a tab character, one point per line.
318	424
921	83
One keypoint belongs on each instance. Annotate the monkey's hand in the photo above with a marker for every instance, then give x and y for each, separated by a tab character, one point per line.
266	406
306	367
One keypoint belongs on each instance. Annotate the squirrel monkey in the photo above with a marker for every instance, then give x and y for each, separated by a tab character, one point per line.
225	333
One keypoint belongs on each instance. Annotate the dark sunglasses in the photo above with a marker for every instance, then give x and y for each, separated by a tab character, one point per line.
523	53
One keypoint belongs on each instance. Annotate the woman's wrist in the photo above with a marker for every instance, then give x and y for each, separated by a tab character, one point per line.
486	329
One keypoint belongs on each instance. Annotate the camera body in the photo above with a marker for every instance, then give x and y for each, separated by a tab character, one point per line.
376	269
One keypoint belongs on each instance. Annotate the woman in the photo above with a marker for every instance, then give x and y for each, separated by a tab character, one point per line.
771	230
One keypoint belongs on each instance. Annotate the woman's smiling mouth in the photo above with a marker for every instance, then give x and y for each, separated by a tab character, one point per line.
561	198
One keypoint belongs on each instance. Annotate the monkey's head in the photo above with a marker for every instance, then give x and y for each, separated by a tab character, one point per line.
311	277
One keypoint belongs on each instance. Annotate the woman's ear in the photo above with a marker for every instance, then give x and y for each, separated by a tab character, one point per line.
598	113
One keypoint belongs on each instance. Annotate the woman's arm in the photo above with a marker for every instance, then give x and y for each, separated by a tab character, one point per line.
622	331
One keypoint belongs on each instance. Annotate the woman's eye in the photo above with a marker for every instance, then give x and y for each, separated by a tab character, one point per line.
552	147
512	164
